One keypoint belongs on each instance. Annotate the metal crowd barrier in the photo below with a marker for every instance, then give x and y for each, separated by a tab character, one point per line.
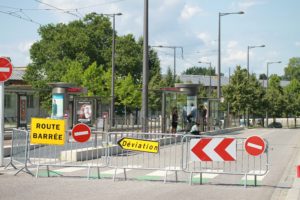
244	164
19	150
167	159
105	150
91	154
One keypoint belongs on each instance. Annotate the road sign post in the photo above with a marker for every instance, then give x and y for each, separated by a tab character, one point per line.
5	73
81	132
255	145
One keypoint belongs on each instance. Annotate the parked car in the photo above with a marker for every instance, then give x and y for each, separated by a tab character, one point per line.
275	125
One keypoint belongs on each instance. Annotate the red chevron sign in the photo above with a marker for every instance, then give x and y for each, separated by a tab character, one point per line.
213	149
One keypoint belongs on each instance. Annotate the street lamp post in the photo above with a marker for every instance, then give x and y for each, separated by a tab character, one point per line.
112	102
174	48
219	49
145	68
248	50
219	55
268	63
209	63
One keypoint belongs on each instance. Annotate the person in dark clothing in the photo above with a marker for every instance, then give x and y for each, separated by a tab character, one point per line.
192	114
174	120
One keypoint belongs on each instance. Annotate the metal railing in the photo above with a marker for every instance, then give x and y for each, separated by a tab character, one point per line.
91	154
167	159
19	150
244	164
173	155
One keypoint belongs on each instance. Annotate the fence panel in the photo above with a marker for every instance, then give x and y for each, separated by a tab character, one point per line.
168	158
90	154
244	164
19	150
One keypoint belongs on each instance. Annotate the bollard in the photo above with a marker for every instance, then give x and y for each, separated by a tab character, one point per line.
298	171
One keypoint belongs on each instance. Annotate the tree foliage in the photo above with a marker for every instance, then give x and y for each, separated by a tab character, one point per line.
292	98
129	94
292	71
80	52
275	97
200	71
244	94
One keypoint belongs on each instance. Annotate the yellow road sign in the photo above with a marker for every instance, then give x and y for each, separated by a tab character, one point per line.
47	131
134	144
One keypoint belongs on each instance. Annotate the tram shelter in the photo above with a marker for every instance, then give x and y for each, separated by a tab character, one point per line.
184	97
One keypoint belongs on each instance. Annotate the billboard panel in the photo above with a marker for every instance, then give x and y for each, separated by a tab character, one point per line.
57	106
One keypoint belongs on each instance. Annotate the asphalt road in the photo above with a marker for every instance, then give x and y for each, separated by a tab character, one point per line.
284	157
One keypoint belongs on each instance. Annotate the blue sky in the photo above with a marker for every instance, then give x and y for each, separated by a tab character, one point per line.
191	24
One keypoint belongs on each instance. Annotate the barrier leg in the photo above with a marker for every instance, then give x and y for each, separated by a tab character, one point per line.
201	178
19	171
88	172
12	164
98	172
115	174
255	180
191	178
166	175
176	176
48	171
245	184
37	171
125	175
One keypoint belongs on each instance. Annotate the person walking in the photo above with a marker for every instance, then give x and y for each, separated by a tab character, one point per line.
174	120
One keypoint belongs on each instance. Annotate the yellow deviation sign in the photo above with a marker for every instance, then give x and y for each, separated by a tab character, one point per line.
47	131
133	144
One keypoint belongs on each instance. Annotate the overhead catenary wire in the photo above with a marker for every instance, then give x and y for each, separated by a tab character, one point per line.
19	12
63	10
14	14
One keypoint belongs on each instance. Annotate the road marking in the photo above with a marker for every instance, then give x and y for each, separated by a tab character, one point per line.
255	146
69	169
120	170
208	174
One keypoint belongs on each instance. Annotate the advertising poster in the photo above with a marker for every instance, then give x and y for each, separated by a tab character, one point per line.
57	106
84	111
23	104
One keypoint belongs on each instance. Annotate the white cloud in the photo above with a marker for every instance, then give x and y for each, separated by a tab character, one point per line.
246	4
233	55
24	47
189	11
205	38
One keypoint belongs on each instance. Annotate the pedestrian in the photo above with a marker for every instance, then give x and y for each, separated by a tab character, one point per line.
174	120
195	129
192	114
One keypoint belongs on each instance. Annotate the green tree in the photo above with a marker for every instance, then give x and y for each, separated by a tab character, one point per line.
168	80
67	51
129	57
275	97
200	71
126	86
262	77
97	81
73	73
292	71
236	92
292	99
